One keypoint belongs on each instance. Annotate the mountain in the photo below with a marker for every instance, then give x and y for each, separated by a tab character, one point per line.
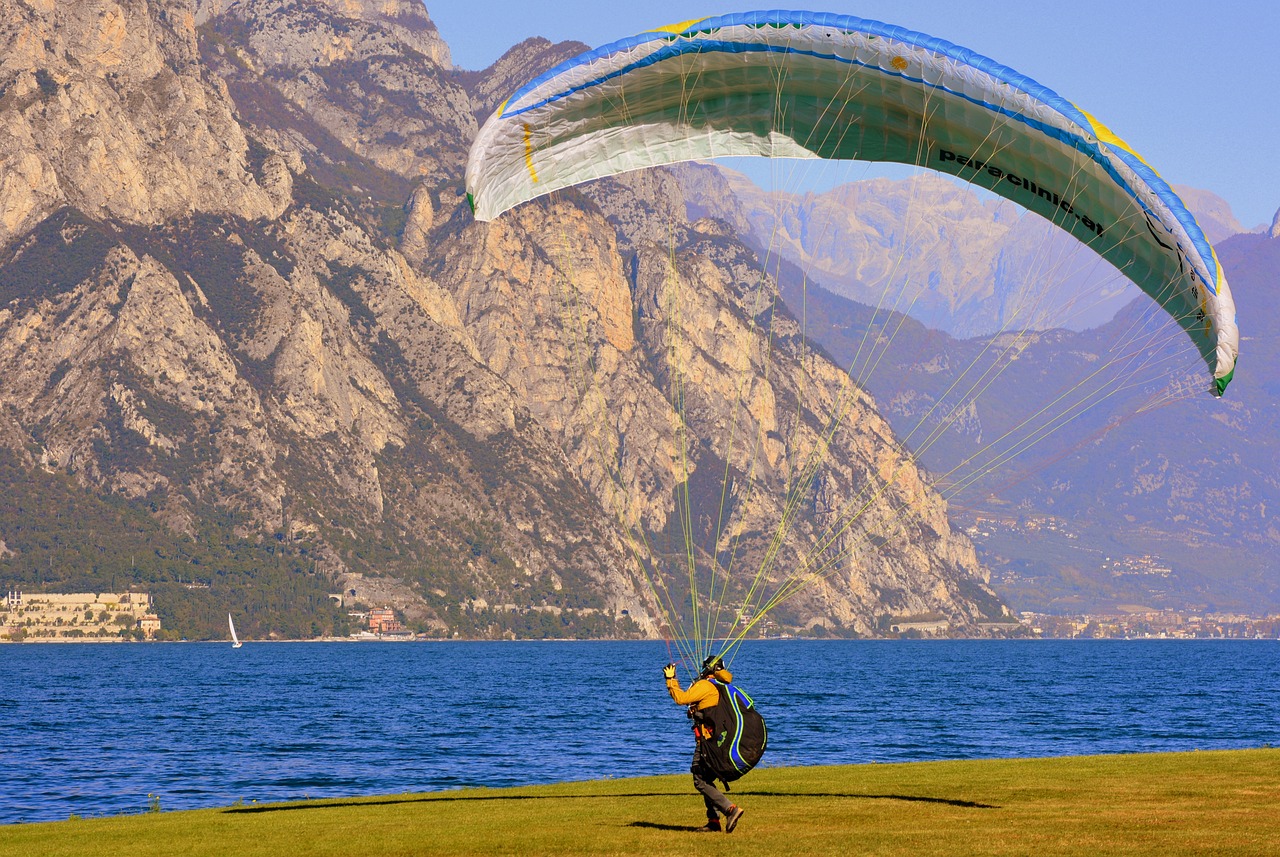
1154	474
254	352
963	260
1212	212
1191	482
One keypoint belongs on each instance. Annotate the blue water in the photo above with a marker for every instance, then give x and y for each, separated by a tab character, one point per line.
96	729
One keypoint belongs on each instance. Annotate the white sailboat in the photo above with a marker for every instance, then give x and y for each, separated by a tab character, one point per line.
235	641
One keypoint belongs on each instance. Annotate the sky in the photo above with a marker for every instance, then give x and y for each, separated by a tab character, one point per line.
1194	87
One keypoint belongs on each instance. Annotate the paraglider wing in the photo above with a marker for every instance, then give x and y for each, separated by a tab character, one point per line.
817	85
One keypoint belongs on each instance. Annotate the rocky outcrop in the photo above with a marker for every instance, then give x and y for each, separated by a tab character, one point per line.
104	107
373	73
492	86
126	374
421	217
394	23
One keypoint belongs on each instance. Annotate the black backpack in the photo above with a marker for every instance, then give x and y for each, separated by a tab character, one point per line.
738	735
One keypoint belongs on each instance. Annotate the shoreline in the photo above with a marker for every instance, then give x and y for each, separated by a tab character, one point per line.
109	641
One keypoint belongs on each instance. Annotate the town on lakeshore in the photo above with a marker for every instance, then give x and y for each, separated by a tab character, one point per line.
130	616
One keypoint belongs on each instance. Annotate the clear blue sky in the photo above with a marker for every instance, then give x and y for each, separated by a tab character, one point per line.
1193	86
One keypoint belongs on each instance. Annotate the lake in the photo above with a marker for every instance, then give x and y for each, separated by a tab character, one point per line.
94	729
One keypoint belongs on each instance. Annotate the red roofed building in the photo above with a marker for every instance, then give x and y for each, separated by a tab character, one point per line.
382	620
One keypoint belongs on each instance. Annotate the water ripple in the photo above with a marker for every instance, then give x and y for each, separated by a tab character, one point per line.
95	729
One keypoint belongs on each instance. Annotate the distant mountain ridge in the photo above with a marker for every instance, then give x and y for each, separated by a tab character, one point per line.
968	263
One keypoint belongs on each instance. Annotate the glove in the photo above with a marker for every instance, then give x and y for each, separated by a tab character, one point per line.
669	671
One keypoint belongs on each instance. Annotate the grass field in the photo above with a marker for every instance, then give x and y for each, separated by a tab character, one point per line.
1221	802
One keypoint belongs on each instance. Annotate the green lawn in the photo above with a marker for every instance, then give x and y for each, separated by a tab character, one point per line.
1222	802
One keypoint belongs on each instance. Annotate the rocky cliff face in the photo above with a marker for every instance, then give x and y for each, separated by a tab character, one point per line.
107	109
527	60
238	285
676	369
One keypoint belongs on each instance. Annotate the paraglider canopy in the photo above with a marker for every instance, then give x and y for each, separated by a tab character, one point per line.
820	85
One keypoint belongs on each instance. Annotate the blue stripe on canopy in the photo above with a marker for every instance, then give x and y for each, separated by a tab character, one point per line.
849	23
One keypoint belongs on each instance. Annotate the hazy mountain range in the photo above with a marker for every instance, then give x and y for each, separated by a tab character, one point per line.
965	261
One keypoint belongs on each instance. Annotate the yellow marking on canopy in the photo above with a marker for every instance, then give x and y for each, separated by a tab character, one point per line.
680	28
528	152
1106	135
1221	279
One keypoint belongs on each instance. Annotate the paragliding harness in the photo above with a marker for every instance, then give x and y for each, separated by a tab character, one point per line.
731	734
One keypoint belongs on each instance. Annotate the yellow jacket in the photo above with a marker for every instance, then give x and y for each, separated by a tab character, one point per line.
702	692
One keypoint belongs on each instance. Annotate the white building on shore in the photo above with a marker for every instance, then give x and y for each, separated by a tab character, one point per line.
78	616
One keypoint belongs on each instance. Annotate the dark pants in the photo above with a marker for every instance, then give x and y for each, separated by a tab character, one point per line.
704	782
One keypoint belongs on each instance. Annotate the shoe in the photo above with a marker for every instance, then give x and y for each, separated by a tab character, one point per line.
731	820
709	827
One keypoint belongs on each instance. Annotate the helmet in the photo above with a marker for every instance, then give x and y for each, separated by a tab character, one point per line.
712	665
